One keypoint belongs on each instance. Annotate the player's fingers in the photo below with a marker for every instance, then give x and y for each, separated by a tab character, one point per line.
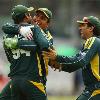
50	50
45	57
53	48
30	36
45	53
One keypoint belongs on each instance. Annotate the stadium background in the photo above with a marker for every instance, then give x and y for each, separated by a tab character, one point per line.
64	29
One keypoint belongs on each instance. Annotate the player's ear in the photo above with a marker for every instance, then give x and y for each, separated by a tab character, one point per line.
26	15
91	28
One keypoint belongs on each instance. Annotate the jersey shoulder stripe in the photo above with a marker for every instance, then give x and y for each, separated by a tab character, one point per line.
49	35
89	42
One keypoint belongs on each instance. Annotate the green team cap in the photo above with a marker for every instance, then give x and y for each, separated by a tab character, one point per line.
92	20
20	10
46	11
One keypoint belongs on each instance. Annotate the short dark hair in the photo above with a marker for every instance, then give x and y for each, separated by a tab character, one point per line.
19	11
96	31
18	19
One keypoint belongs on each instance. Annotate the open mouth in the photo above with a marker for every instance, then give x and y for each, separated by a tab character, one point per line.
37	23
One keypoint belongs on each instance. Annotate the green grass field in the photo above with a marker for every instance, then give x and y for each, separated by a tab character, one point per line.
61	97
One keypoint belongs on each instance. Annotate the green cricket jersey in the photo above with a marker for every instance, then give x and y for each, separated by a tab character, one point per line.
43	61
88	59
26	63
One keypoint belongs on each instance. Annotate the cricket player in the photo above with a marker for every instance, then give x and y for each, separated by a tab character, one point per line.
88	59
33	74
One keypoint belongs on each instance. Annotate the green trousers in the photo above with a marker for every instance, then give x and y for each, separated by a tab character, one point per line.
6	92
23	88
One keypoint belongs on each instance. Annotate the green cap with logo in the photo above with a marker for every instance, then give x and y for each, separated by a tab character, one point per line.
46	11
93	21
20	10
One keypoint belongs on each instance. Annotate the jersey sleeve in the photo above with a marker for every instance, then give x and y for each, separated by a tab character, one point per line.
83	58
27	45
10	29
41	39
8	51
39	36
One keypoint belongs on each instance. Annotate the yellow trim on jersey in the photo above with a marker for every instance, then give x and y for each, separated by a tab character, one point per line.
39	66
95	66
47	60
49	35
42	31
89	42
10	86
95	93
86	43
46	64
40	86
